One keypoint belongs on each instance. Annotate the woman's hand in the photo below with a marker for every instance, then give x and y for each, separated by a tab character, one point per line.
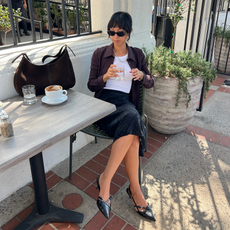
136	74
111	72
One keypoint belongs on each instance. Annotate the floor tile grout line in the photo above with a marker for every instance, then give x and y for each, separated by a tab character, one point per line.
220	138
50	175
92	169
84	190
86	168
92	183
17	217
107	221
100	162
82	177
95	172
127	224
190	128
212	132
153	146
209	133
103	154
126	221
158	150
97	162
55	184
156	139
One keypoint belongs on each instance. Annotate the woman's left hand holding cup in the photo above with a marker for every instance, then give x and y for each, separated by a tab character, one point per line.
136	74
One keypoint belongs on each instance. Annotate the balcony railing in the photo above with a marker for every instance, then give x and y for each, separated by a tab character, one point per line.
64	19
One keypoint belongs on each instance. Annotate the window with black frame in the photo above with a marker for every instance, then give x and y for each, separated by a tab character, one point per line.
30	21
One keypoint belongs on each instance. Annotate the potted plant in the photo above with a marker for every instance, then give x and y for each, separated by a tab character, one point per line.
5	25
221	54
171	104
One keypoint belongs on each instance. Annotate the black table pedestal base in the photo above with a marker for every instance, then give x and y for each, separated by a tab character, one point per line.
43	210
54	214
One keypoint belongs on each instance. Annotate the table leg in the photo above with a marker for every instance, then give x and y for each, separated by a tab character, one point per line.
44	211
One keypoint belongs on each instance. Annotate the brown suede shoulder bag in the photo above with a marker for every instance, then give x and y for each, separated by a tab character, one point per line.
57	72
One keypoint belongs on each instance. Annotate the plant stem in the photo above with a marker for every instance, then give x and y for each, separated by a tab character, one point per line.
173	41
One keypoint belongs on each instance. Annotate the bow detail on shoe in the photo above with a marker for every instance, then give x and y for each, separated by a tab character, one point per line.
147	211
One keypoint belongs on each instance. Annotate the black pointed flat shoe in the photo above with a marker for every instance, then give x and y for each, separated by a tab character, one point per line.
148	213
104	206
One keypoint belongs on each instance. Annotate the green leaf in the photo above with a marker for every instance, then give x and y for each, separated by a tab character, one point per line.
183	65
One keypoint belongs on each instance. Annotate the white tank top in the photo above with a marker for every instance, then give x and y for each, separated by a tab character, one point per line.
116	83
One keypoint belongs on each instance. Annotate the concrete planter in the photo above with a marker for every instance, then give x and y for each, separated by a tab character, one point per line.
223	56
160	108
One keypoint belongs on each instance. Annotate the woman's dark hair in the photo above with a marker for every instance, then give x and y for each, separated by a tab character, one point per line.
121	19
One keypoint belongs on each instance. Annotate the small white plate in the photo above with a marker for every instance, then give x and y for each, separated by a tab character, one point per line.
59	101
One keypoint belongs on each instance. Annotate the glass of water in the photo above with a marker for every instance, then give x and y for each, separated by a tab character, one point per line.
29	94
121	72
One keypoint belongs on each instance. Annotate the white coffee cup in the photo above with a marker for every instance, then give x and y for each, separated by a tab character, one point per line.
54	92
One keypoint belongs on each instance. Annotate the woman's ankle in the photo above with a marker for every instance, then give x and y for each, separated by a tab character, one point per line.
104	186
138	195
135	189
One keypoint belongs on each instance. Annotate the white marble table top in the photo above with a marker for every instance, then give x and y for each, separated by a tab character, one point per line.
39	126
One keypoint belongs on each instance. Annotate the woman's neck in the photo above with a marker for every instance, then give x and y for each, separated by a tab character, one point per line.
120	51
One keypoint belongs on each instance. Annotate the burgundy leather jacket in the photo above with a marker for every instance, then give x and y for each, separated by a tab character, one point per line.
102	59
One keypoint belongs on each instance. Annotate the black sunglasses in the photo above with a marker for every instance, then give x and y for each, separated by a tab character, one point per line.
119	33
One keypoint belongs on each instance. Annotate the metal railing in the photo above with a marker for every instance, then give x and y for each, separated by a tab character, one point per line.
224	25
28	20
78	24
200	29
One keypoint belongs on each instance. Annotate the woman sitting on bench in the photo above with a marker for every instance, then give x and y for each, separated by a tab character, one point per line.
125	124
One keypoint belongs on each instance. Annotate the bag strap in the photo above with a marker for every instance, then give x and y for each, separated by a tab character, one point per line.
24	54
58	54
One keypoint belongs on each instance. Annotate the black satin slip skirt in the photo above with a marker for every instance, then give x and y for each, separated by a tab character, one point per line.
125	120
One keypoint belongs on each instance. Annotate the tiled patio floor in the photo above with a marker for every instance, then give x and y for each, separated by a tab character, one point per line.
84	178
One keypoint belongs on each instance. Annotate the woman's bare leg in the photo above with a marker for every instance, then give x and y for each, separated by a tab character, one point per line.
131	160
126	148
119	149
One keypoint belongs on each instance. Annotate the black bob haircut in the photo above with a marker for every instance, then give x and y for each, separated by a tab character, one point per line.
121	19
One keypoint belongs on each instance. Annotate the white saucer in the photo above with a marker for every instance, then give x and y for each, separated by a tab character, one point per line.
59	101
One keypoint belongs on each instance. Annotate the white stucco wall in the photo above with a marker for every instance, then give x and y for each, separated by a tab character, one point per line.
83	47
